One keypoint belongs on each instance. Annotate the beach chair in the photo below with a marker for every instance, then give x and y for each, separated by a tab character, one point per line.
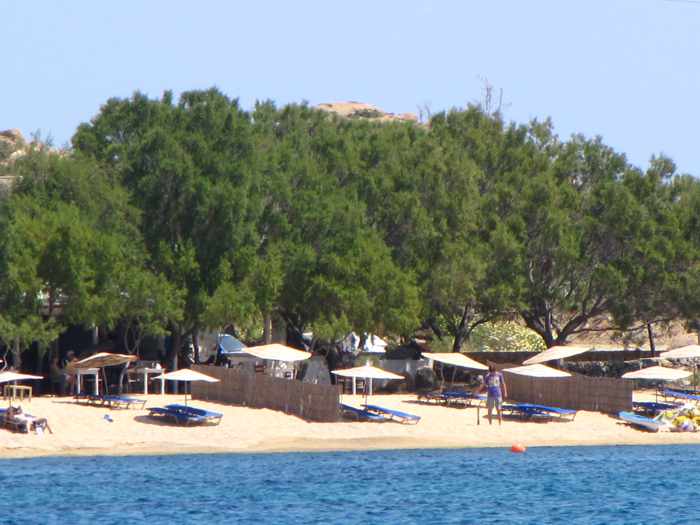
360	414
395	415
430	396
567	414
538	412
523	411
25	422
652	408
463	398
208	416
636	420
677	394
171	415
116	401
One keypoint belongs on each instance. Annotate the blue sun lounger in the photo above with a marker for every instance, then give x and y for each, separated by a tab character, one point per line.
209	415
114	401
676	394
185	415
397	415
652	408
533	411
361	414
640	421
462	397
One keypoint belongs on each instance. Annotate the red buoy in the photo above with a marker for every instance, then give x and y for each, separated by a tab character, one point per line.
518	448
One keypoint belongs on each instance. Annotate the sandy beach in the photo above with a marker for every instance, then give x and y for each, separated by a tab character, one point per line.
83	430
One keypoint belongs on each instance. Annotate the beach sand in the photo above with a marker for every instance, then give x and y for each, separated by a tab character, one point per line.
83	430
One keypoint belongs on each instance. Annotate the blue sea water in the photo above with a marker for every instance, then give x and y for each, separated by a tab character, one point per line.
587	485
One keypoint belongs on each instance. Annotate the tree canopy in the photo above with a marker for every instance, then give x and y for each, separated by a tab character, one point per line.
175	216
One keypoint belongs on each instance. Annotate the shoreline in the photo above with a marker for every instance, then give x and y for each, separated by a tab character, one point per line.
82	431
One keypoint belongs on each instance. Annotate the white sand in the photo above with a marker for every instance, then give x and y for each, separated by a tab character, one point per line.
82	430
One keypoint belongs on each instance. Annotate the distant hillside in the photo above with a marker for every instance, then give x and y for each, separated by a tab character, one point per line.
352	109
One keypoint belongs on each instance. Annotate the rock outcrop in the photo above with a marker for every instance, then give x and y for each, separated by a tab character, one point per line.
352	109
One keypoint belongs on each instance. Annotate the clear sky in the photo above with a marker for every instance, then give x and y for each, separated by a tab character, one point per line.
627	70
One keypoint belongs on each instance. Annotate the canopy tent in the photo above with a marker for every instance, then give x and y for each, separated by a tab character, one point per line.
537	370
366	372
556	352
658	372
187	375
100	360
683	352
455	359
374	345
103	359
277	352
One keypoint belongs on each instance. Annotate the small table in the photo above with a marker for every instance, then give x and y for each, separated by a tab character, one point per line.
17	392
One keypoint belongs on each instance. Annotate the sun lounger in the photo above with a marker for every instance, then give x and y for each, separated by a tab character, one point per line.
463	398
195	412
640	421
361	414
177	416
396	415
25	423
533	411
114	401
651	408
432	396
677	394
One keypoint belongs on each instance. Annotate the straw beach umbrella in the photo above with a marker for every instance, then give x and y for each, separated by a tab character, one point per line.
684	352
186	375
277	352
538	370
366	372
555	353
660	373
455	360
9	377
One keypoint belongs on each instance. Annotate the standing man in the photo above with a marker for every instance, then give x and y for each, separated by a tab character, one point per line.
496	391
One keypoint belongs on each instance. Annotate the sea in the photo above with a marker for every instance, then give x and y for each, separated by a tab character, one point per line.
572	485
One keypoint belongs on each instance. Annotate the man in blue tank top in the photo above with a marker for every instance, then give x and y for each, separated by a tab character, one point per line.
496	391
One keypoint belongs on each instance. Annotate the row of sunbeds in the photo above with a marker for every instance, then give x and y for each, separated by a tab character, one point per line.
179	414
524	411
644	414
378	414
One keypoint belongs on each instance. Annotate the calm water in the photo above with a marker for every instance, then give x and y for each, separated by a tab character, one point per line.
597	485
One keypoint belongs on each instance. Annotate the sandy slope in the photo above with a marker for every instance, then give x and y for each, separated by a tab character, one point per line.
82	430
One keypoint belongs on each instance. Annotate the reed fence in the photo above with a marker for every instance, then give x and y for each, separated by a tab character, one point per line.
305	400
599	394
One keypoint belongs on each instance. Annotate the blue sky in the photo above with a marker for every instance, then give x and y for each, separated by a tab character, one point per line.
623	69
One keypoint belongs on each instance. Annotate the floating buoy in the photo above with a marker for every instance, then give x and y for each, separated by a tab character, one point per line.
518	448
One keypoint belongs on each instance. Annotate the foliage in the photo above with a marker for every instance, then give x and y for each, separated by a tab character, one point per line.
192	214
505	336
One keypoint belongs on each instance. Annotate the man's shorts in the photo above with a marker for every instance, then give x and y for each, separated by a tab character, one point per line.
494	402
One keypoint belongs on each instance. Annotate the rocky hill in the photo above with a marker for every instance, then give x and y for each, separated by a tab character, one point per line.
352	109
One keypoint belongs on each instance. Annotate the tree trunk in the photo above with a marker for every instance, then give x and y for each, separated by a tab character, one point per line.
176	343
267	329
195	345
650	333
16	355
460	337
